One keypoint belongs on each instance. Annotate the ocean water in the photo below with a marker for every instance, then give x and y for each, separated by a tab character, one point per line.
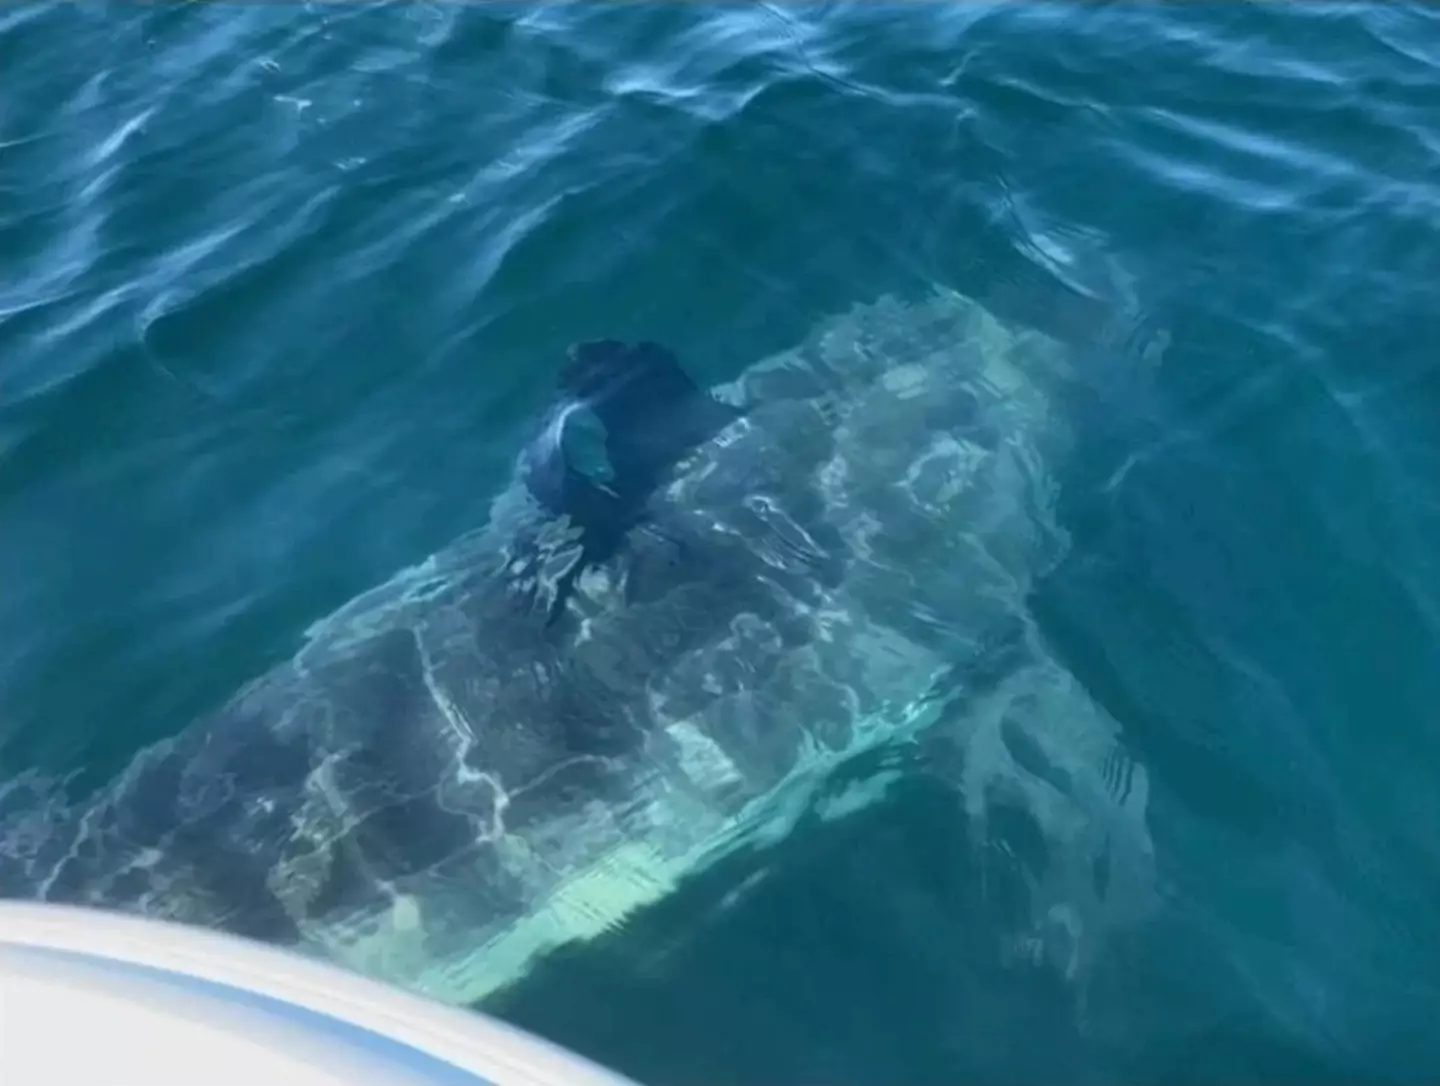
285	287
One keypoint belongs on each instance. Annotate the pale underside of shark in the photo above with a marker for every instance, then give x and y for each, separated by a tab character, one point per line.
549	724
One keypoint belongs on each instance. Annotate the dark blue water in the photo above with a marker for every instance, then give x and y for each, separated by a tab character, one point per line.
285	287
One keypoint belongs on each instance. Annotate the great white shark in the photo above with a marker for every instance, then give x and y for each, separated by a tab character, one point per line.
637	666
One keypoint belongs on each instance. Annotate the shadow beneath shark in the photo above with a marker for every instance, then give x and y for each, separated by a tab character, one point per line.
862	952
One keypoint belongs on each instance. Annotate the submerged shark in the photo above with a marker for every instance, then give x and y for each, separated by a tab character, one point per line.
641	664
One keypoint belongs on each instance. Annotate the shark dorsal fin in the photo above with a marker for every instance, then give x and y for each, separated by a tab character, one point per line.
653	415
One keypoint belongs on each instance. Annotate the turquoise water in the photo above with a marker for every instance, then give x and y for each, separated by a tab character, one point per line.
286	287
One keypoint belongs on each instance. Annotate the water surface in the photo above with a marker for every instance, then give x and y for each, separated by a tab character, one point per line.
286	286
